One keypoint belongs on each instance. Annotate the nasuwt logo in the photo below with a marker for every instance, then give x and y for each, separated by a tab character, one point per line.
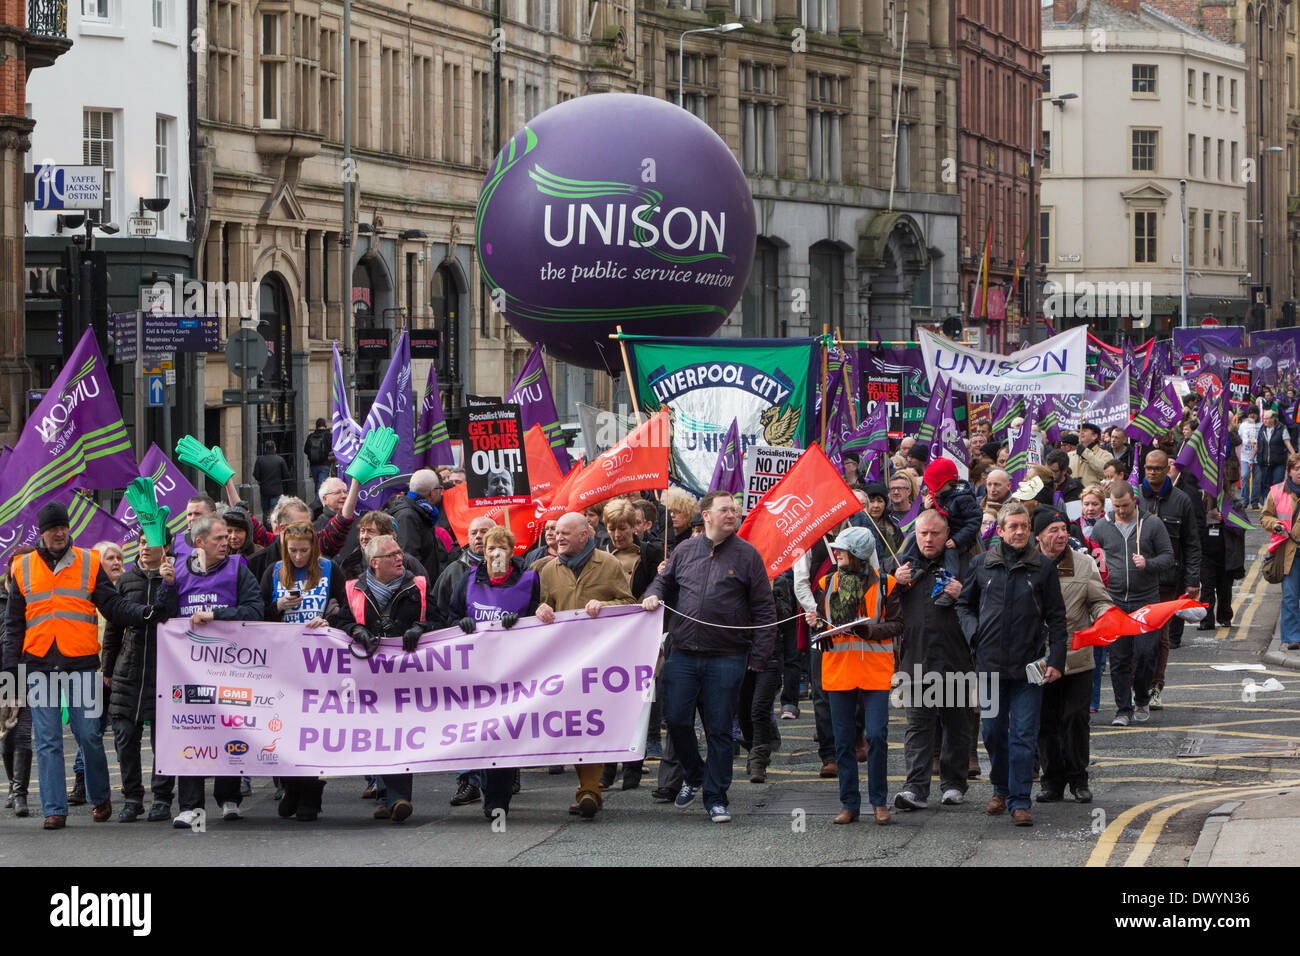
224	652
194	721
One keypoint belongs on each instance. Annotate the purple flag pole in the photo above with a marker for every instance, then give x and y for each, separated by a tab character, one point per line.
531	391
1018	454
432	443
391	409
75	436
344	431
839	424
930	434
729	473
1154	420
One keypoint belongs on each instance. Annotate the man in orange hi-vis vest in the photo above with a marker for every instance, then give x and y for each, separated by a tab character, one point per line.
52	631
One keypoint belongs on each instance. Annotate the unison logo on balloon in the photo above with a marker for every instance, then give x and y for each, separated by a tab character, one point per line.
614	209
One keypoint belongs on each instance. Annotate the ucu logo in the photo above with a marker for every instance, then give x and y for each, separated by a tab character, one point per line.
238	720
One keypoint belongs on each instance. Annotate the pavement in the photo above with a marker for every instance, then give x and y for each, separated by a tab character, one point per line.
1262	830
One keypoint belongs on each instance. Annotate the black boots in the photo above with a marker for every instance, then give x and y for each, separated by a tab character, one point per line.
18	785
77	795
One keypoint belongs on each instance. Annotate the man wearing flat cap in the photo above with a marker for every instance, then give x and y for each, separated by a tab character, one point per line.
51	625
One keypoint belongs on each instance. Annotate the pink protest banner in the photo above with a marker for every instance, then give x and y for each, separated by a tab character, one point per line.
277	699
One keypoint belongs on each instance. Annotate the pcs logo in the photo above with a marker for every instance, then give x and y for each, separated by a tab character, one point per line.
236	748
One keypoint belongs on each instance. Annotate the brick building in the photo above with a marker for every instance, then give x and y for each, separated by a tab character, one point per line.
33	34
998	47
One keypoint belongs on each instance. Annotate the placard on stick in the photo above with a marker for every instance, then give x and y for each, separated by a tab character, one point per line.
496	468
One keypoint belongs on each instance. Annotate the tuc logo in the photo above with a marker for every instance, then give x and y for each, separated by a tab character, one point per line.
238	720
235	696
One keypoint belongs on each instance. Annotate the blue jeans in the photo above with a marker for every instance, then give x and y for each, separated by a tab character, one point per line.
1249	486
1011	738
85	688
713	685
1291	602
79	763
1266	476
318	475
844	706
1099	664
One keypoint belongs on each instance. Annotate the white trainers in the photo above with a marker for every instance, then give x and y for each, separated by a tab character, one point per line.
1156	702
1141	714
230	811
907	800
1121	720
953	797
186	819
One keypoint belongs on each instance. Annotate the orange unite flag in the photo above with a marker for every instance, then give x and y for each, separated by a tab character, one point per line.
638	463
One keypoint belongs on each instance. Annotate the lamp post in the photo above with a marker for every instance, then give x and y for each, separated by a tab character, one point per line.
1263	271
1182	257
681	51
1059	101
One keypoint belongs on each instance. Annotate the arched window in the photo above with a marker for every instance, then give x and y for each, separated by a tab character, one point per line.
759	305
826	286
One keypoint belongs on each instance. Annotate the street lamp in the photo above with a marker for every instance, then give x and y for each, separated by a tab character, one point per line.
681	51
1263	272
1058	100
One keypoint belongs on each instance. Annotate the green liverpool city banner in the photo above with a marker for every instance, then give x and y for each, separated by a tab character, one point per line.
767	385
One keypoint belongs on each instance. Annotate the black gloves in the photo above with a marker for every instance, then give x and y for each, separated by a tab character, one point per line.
412	637
824	644
467	625
156	614
509	619
364	639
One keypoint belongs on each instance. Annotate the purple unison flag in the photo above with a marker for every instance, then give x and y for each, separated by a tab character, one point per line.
1203	453
345	433
1006	408
432	443
1157	418
1018	454
1048	417
871	441
729	472
930	434
390	409
950	439
88	524
839	423
75	436
532	393
170	488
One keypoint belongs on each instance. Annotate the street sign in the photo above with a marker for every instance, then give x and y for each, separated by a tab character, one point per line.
169	376
180	333
246	353
155	392
68	187
141	226
122	329
256	396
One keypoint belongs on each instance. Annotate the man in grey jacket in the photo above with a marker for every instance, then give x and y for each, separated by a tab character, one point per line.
1137	552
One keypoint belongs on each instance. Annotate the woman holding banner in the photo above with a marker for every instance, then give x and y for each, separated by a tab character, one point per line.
1278	519
300	589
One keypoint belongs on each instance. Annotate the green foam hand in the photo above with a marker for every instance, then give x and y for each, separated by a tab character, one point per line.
372	459
143	499
190	451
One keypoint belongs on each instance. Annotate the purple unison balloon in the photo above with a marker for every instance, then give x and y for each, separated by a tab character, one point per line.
614	209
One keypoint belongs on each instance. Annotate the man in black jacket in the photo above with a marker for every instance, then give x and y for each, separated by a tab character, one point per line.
210	585
932	647
394	603
1271	451
1011	596
271	474
1178	514
422	525
718	578
131	660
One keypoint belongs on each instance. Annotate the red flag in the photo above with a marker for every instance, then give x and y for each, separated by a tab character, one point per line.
543	473
797	510
1115	624
637	463
523	518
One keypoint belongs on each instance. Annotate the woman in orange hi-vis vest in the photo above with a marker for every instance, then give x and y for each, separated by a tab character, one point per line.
1278	518
859	660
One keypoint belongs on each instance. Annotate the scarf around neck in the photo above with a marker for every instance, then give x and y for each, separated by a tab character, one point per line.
576	562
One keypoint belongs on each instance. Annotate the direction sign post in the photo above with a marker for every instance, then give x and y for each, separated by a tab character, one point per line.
246	356
155	391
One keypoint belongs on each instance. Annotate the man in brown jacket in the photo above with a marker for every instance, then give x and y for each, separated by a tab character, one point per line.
579	576
1063	721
